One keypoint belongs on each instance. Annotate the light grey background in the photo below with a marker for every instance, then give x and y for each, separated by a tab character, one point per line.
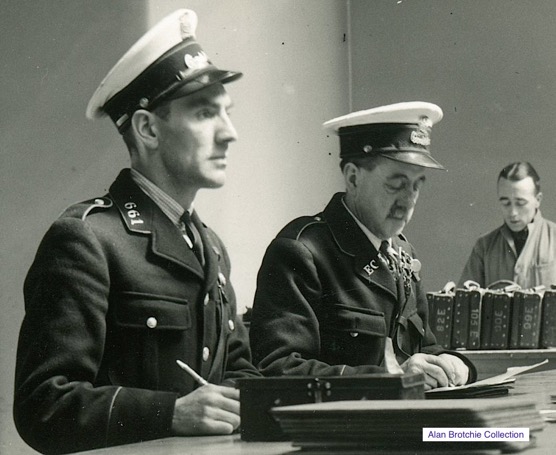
490	64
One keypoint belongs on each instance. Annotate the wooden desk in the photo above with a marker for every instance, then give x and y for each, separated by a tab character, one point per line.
493	362
535	386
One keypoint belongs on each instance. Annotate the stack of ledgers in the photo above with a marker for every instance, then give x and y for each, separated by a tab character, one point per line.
398	425
501	316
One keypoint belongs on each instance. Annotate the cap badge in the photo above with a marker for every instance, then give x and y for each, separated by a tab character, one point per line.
368	148
196	62
421	136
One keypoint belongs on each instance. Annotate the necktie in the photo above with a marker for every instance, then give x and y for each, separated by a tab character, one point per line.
385	252
193	236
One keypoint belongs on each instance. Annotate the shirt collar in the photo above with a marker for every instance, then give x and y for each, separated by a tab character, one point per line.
372	238
169	206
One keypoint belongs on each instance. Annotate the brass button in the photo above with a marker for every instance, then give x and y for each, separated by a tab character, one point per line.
206	301
354	334
99	201
221	279
152	323
231	324
206	353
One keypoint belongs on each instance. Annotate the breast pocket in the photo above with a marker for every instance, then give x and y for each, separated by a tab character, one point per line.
353	336
146	337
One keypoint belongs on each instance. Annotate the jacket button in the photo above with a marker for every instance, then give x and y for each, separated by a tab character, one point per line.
99	201
231	324
221	279
354	334
206	301
206	353
152	323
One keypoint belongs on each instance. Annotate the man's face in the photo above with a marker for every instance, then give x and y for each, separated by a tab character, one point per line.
194	139
385	197
519	202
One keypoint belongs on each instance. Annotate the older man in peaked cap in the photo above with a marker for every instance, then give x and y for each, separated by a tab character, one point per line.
339	293
126	284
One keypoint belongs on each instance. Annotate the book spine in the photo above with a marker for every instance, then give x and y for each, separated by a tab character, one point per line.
548	326
500	321
516	315
486	325
530	321
460	329
441	317
475	312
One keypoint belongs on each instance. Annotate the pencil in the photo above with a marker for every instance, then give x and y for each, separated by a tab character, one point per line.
185	367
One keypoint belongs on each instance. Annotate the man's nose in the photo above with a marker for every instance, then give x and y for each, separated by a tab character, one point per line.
409	197
226	130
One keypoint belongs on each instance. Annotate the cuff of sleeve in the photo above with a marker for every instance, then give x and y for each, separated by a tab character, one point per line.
140	415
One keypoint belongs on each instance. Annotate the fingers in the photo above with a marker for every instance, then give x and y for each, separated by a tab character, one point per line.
460	371
210	409
433	368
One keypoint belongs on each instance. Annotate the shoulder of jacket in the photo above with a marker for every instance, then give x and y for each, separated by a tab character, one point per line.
83	209
301	225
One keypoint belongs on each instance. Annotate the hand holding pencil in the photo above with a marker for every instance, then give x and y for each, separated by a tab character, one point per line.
210	409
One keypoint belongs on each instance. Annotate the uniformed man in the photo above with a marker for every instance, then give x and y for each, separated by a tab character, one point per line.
523	249
126	284
339	293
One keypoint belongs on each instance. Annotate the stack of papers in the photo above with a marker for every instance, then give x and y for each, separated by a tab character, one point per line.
397	425
496	385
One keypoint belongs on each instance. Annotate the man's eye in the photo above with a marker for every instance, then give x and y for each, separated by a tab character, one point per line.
521	203
392	187
205	113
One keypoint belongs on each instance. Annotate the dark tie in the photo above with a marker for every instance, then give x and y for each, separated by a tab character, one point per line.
192	233
385	252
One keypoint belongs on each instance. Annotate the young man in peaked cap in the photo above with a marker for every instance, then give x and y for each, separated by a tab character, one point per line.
339	293
124	285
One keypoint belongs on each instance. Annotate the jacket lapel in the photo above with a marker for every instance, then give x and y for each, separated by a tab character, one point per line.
352	241
142	216
211	252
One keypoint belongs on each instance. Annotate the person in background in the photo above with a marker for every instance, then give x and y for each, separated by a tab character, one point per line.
126	284
339	293
523	249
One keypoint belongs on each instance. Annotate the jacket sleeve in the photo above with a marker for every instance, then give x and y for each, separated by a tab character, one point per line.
474	268
285	338
57	407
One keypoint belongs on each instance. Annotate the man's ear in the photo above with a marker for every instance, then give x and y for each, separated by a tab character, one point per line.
145	127
351	175
539	197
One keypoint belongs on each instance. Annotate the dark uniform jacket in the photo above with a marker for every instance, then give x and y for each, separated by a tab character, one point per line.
113	298
325	302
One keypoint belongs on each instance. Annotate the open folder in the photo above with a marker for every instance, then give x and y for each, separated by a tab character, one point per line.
493	386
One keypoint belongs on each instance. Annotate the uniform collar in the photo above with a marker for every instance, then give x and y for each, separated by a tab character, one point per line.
372	238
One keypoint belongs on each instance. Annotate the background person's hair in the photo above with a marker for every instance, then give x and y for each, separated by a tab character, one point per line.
519	171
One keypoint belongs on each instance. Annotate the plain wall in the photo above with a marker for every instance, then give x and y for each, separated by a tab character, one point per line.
491	66
294	58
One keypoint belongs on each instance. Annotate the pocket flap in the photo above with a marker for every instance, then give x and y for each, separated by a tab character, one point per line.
359	321
153	314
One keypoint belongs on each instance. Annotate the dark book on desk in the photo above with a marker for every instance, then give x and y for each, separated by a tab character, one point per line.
526	320
395	426
548	325
475	302
440	316
495	328
460	327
